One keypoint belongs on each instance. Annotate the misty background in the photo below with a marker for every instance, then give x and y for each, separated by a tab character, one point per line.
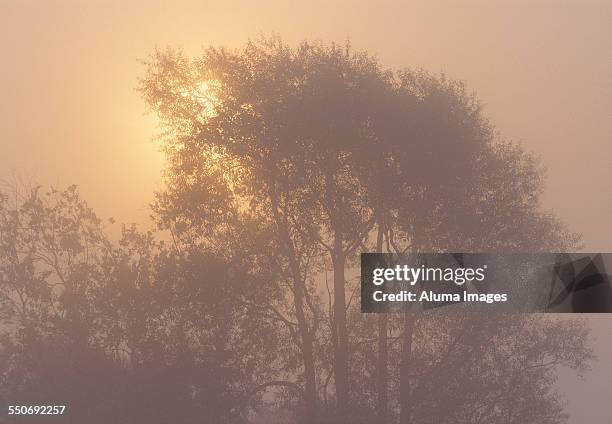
543	70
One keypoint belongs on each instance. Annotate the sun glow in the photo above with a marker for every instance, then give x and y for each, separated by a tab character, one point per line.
205	93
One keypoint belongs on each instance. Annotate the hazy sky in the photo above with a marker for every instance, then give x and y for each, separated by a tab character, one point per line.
69	112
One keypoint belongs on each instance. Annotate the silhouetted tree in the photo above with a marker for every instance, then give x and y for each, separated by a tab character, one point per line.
325	150
136	330
283	164
50	247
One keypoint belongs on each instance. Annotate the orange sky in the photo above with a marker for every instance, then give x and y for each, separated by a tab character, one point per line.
70	113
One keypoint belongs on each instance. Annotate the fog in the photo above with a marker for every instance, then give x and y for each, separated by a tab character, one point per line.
543	69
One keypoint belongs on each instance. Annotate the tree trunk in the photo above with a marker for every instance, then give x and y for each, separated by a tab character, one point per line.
405	369
382	375
306	338
305	333
381	366
310	389
341	372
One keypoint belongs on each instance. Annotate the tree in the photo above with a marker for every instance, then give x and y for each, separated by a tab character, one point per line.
321	146
136	330
283	164
466	192
50	247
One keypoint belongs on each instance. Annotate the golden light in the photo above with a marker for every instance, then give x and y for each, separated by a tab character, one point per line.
205	93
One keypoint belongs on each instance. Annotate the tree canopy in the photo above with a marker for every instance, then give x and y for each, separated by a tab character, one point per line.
283	164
